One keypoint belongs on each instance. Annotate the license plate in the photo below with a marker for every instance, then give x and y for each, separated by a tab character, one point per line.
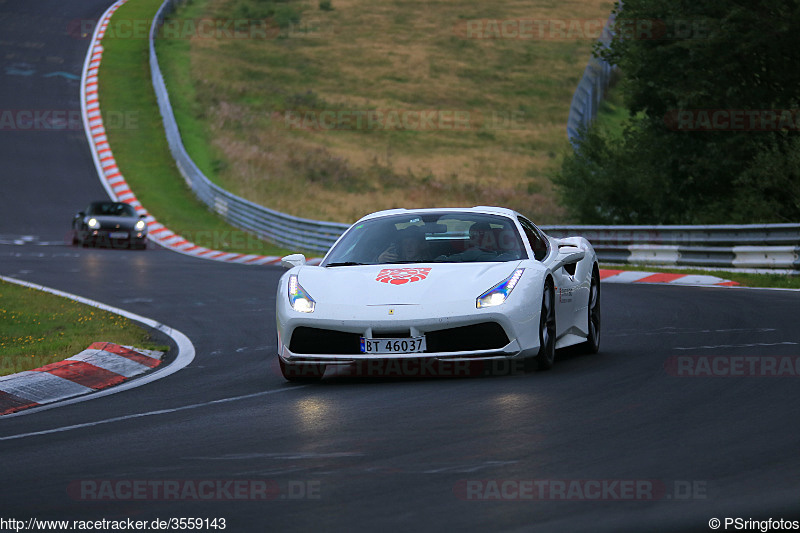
405	345
118	235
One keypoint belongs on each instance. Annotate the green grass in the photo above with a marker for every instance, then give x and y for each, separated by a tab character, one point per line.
140	146
389	56
775	281
612	112
41	328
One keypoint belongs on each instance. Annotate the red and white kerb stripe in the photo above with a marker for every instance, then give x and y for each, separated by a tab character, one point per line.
101	365
626	276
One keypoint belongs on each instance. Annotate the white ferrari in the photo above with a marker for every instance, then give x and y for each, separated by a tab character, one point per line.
456	285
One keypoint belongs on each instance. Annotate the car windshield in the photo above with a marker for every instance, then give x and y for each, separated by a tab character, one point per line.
111	209
435	237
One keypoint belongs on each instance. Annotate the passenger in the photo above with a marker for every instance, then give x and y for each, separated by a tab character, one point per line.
410	246
481	237
481	246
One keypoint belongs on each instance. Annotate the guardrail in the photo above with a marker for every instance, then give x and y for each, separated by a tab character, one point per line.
281	228
753	246
770	246
591	89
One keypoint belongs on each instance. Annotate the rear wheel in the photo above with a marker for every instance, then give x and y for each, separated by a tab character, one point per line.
592	344
547	329
304	373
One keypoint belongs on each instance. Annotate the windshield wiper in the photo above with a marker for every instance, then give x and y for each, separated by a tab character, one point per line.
345	264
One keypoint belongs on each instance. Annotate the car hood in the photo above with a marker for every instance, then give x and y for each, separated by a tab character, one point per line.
112	221
402	284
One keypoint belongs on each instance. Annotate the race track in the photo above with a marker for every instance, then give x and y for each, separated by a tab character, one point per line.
373	454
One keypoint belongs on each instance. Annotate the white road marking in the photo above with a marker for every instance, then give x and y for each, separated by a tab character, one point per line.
676	331
148	413
292	456
21	240
751	345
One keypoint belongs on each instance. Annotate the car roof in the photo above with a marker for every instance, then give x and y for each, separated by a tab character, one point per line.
107	202
478	209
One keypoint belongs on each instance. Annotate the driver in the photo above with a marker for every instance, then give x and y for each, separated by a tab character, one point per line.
480	247
409	246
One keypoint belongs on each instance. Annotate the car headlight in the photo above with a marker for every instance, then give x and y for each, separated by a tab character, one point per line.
499	293
93	223
298	297
139	225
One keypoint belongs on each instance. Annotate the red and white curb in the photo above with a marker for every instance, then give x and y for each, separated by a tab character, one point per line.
101	365
111	176
116	363
629	276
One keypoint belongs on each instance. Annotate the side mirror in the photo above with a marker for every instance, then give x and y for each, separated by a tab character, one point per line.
293	260
568	255
143	215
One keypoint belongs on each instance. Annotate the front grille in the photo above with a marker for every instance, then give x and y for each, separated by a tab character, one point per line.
324	341
485	336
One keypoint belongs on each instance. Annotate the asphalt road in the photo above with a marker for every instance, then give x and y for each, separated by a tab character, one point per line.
367	454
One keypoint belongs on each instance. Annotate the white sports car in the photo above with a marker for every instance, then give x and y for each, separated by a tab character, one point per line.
455	284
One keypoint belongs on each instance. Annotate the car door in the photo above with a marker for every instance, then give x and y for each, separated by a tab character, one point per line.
567	298
565	282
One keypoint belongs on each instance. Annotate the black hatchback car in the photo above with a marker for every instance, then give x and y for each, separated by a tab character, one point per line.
113	224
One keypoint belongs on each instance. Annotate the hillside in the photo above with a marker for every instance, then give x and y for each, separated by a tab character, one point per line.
333	113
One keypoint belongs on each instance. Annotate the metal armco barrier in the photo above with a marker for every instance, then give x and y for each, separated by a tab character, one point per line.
771	246
591	89
768	246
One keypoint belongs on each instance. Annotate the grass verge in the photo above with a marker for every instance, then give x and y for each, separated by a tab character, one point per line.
279	113
139	143
774	281
41	328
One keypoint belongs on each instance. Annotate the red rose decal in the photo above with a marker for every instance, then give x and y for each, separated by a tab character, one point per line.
399	276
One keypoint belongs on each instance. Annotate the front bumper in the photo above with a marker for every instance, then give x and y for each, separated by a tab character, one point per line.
511	350
104	237
479	336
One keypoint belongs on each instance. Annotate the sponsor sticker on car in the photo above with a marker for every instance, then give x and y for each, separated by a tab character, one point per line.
400	276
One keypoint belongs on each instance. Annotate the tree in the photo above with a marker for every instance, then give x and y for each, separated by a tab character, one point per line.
713	91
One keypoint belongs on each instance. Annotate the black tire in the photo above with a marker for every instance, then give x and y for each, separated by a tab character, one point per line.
307	373
592	344
547	328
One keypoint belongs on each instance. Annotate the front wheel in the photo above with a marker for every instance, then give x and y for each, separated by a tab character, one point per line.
547	328
301	373
592	344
